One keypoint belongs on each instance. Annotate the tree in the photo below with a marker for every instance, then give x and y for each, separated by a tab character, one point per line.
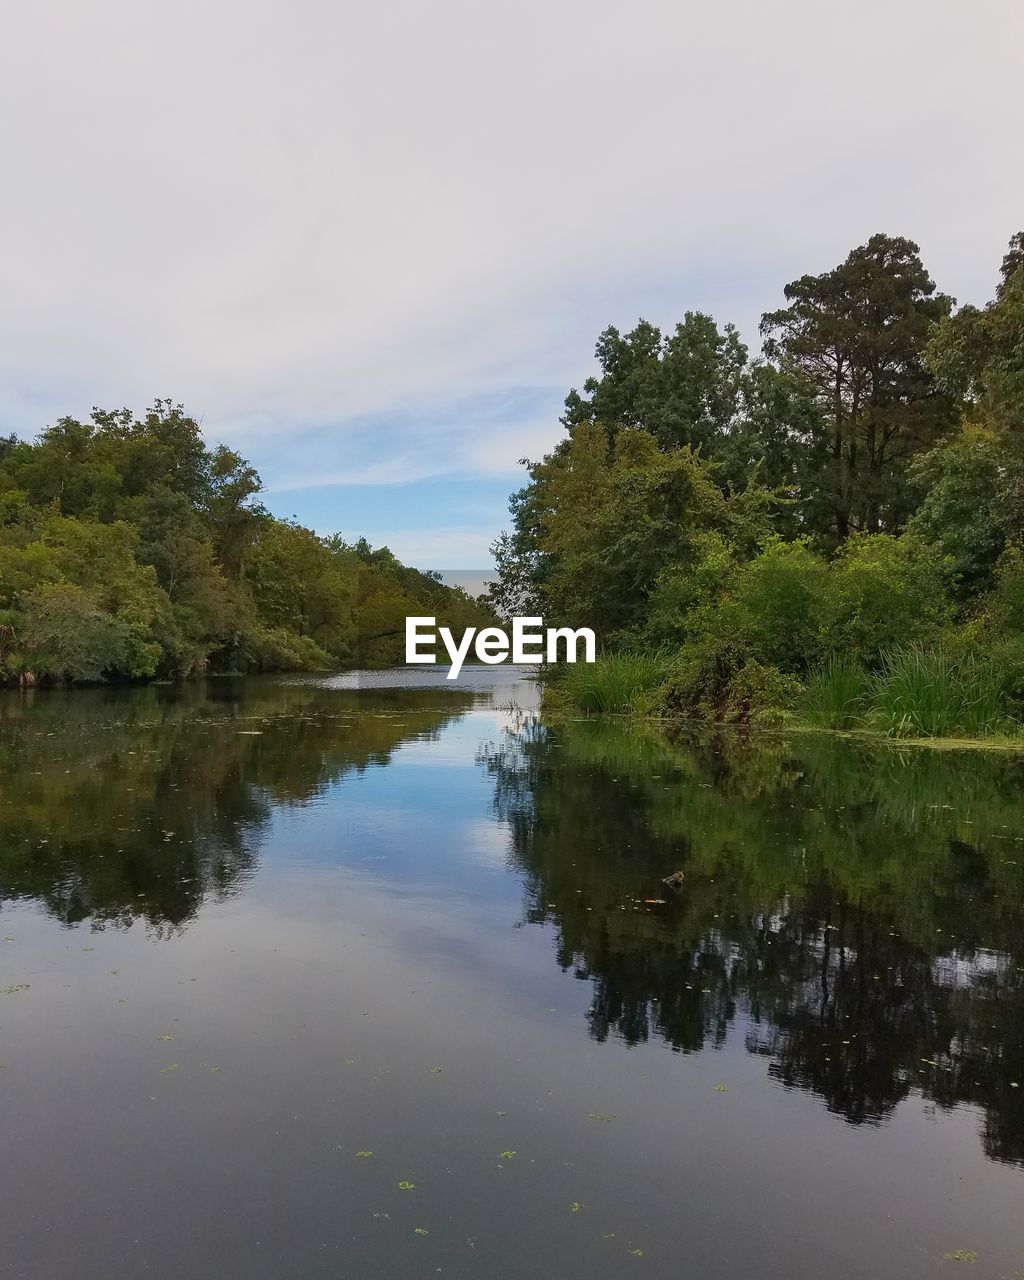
973	504
606	522
233	516
1013	262
697	387
858	334
977	355
157	547
747	426
682	389
67	636
300	585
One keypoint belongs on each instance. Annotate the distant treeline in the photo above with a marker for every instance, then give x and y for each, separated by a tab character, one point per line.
839	519
131	550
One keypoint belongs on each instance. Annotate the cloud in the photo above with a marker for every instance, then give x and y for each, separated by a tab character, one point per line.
375	243
484	435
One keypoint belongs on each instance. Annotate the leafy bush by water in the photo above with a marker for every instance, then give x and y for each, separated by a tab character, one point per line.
941	691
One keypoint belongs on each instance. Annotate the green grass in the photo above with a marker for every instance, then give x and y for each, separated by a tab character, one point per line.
613	685
933	693
835	694
916	692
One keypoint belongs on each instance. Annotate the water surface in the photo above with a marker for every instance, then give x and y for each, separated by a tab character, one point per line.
377	976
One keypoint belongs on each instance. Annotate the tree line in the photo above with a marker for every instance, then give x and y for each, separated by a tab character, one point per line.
129	549
856	488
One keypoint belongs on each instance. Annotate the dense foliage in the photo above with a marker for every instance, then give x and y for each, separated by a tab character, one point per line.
129	549
855	493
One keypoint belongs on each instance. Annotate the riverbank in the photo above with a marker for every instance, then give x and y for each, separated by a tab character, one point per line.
917	698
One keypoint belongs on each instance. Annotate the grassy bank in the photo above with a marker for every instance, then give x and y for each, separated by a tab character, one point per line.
616	684
914	694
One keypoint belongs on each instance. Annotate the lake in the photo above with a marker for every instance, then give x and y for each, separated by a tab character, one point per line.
377	976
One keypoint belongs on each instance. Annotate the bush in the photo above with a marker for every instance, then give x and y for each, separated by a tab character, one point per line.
883	593
722	685
778	602
1004	607
759	694
65	635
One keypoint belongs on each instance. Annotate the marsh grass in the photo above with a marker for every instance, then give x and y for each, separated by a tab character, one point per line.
915	693
935	693
616	684
835	694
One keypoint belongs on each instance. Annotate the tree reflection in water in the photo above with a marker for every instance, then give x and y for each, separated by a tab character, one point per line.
854	912
119	805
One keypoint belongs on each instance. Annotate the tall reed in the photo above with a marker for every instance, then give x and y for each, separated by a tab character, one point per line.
836	693
937	693
613	685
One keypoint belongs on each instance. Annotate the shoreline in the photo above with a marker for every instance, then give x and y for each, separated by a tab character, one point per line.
876	737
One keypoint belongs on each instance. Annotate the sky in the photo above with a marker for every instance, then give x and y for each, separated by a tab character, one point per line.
371	246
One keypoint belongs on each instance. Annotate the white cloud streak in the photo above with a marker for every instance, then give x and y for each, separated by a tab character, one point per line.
309	220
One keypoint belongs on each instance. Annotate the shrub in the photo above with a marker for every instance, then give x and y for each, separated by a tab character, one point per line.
261	648
65	635
779	600
722	684
1004	610
758	694
883	593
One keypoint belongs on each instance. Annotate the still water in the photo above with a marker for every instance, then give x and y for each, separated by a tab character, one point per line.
377	977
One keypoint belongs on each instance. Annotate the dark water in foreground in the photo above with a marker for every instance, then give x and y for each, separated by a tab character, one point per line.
254	932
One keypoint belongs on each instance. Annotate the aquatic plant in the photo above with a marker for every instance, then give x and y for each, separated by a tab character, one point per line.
613	685
835	693
937	693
